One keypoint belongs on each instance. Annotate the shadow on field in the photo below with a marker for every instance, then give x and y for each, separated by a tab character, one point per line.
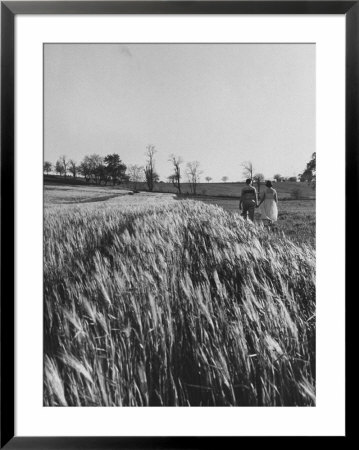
94	199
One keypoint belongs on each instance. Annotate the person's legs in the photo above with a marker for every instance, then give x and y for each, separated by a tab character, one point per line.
251	213
245	212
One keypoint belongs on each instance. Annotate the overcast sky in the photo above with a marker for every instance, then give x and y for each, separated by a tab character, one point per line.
219	104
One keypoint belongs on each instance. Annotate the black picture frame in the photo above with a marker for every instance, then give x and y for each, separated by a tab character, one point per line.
9	9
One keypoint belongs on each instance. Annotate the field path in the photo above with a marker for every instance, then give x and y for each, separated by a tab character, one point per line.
71	195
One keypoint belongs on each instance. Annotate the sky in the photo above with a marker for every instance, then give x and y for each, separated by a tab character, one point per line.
219	104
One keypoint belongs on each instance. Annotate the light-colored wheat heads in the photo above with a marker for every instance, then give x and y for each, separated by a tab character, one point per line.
175	303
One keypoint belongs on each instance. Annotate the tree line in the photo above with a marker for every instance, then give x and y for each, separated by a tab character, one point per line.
111	169
94	168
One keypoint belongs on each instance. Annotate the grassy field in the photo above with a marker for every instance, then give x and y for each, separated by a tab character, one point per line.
153	301
64	194
296	218
284	189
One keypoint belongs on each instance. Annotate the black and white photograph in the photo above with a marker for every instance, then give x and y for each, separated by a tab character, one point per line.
179	224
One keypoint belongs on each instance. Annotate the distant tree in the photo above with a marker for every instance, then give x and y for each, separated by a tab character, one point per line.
258	179
309	174
175	178
136	175
208	179
59	168
277	177
103	174
248	169
224	179
85	168
292	179
64	162
92	168
193	173
96	161
150	172
47	167
73	168
115	169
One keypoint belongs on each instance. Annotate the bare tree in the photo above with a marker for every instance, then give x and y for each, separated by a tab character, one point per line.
136	175
73	168
208	179
224	179
176	176
59	168
64	162
248	169
96	167
193	174
150	173
47	167
85	168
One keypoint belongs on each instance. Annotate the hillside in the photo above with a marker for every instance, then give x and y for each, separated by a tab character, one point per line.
174	303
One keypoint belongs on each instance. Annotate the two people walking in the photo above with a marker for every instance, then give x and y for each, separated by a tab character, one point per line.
268	203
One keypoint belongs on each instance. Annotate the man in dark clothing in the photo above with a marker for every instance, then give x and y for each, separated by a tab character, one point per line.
249	200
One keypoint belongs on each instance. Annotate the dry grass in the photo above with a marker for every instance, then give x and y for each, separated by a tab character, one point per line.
79	194
174	303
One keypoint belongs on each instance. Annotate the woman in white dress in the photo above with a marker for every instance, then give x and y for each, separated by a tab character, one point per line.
269	203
